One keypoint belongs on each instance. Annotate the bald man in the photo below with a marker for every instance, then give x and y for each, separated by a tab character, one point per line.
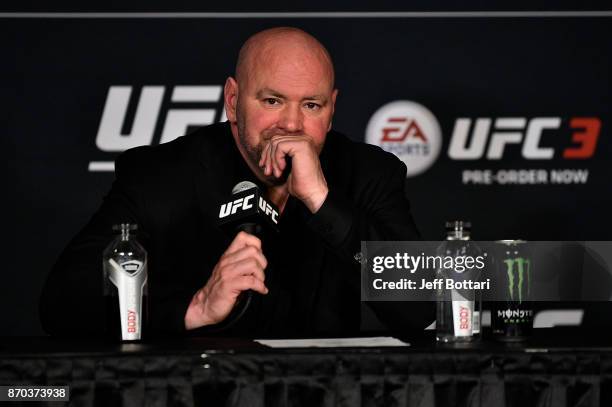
334	194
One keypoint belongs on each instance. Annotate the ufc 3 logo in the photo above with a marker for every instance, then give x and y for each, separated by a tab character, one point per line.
110	137
521	131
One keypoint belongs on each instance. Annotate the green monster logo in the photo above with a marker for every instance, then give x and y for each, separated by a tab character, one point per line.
523	267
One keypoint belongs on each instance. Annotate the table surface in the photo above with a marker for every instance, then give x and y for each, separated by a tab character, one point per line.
549	341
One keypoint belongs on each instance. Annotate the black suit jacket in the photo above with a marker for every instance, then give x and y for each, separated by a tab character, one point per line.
173	191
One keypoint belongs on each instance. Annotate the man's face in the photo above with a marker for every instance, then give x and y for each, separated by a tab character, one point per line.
280	94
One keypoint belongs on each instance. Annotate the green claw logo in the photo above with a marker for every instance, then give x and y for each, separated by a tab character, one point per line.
523	267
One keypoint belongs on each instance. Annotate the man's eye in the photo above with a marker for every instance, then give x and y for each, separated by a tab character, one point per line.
312	106
271	101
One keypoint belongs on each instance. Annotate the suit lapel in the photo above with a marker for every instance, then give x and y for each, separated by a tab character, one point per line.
219	168
213	175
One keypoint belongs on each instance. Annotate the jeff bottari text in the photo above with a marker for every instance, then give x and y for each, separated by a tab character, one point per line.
436	284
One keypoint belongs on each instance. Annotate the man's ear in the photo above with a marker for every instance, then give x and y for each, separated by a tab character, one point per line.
230	98
333	106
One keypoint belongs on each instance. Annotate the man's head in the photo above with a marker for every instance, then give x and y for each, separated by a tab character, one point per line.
284	85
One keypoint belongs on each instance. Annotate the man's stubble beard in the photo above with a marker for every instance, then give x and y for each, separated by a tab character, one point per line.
254	152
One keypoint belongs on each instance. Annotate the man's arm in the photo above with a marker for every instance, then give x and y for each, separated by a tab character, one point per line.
382	212
384	215
376	210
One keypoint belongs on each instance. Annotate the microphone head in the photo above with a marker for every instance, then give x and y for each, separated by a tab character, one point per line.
248	206
242	186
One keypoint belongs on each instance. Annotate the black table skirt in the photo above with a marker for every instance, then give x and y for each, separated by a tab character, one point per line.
208	376
553	368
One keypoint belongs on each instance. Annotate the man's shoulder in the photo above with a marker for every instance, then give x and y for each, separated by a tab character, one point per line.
174	155
362	156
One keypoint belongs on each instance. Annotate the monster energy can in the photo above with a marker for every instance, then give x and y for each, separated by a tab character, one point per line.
512	314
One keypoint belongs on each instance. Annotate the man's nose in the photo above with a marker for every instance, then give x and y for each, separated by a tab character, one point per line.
291	118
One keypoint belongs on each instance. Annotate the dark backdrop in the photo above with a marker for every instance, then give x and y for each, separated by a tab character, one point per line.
58	74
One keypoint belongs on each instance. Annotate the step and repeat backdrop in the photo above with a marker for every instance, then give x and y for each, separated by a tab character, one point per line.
502	120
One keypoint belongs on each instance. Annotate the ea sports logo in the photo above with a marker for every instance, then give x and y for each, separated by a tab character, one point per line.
408	130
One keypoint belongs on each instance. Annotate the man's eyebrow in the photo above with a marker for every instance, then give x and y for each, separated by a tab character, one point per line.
269	92
315	97
265	92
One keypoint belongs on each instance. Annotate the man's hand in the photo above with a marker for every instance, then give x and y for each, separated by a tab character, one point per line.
240	268
306	180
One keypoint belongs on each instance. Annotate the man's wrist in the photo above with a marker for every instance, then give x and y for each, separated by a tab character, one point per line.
315	201
195	317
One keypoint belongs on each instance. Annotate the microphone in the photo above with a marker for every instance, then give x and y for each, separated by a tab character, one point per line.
248	210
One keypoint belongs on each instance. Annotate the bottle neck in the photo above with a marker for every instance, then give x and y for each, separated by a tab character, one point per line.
458	234
125	232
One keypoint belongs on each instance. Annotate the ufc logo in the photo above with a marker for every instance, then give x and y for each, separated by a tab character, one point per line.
232	207
268	210
110	138
521	131
401	128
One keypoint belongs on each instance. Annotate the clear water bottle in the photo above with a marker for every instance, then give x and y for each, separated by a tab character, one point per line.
458	311
125	284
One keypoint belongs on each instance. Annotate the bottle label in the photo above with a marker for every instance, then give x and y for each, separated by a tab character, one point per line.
463	315
130	278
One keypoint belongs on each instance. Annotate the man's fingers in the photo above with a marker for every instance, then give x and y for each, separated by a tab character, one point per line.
262	159
248	252
241	240
285	148
273	159
244	283
276	147
244	267
267	166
